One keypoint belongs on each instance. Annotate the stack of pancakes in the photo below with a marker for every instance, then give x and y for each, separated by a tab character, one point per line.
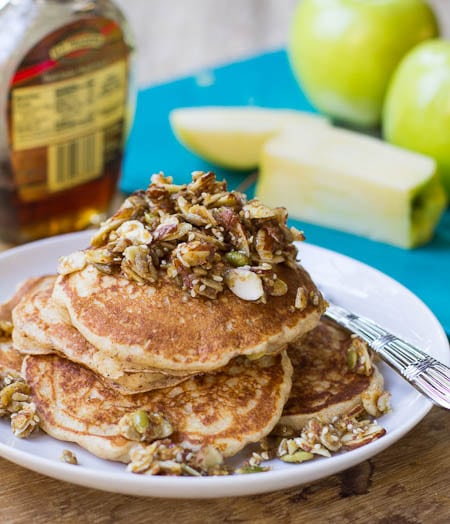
101	345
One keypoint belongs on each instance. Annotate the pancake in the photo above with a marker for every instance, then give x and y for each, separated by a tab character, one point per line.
10	359
39	328
227	410
162	327
323	386
22	289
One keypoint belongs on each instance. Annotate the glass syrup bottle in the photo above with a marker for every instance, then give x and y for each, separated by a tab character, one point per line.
66	100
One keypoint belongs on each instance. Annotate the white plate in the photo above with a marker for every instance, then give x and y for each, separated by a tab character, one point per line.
356	285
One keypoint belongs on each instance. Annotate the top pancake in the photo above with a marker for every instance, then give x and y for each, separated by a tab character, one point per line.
323	386
162	327
40	328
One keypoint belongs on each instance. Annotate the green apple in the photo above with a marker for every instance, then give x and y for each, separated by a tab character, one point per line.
344	52
232	137
416	113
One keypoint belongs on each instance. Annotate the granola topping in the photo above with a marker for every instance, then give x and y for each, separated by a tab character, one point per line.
144	427
318	438
16	403
69	457
163	457
198	234
358	357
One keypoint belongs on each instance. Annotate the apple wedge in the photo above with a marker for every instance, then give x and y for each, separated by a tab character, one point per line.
232	137
348	181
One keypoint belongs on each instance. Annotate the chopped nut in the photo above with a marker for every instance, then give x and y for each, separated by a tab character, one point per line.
141	421
137	264
135	231
244	283
24	421
162	457
207	457
189	230
319	438
297	457
7	400
145	427
245	470
69	457
101	256
158	428
71	263
301	300
359	356
237	259
278	288
352	358
365	433
315	298
255	209
376	402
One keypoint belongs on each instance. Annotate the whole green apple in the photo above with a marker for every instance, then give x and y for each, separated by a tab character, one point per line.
344	52
416	112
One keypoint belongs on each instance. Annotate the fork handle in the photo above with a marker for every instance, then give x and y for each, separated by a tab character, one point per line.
425	373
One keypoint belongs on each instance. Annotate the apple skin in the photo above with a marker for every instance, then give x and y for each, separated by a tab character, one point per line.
344	52
416	113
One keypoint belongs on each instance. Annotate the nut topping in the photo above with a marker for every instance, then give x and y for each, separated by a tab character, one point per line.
244	283
195	234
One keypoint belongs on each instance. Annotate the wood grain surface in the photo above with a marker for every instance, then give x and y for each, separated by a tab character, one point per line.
406	484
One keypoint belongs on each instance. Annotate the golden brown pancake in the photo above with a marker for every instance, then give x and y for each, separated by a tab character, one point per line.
22	289
162	327
229	409
323	386
39	328
10	358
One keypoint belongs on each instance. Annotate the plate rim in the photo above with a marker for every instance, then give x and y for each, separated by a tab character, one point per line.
224	486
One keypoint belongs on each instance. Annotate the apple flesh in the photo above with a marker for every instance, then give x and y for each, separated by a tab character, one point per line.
232	137
416	113
344	52
352	182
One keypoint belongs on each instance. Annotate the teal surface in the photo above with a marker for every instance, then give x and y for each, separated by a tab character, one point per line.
266	80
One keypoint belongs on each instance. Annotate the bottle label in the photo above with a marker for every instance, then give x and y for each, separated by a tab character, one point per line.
67	107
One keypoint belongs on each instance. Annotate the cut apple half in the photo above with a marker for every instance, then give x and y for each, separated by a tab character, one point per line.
233	137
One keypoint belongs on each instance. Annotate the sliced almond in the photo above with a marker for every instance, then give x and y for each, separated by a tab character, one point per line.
244	283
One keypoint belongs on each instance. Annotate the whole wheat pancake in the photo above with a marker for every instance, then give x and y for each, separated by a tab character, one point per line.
39	328
229	409
162	327
22	289
10	358
323	386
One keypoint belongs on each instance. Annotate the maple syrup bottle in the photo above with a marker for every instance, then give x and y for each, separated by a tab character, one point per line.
66	100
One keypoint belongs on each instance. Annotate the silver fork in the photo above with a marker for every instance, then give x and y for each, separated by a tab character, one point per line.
425	373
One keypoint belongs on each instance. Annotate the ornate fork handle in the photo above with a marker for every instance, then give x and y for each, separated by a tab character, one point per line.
426	374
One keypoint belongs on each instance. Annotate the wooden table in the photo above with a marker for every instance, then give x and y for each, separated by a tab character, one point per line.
409	483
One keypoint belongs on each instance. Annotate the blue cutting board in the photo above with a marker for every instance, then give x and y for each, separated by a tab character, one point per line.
266	80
